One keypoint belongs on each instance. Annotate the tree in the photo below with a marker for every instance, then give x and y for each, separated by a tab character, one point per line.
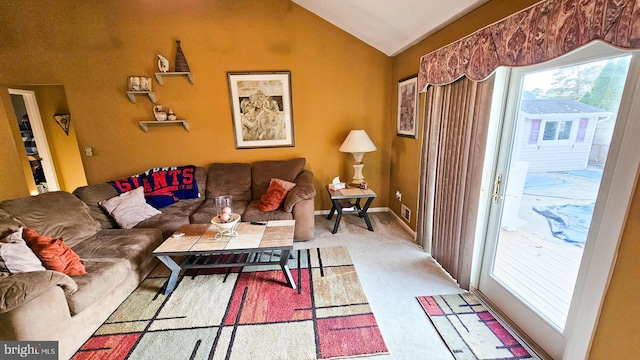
572	82
608	86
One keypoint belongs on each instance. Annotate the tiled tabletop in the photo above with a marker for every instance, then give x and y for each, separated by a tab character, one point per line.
202	238
351	193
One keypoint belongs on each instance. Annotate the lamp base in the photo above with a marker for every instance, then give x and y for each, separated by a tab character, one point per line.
358	178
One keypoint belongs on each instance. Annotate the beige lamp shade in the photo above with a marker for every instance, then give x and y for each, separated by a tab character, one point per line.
357	143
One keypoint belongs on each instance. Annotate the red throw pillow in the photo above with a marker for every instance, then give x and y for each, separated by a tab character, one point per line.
275	195
54	253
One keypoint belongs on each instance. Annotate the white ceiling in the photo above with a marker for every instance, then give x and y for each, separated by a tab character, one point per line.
390	26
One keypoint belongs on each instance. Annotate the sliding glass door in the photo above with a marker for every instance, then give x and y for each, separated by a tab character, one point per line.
551	175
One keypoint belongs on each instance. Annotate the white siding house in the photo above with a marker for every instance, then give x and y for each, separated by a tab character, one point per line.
556	134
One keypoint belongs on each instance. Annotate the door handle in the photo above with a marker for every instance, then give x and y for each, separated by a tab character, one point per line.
497	184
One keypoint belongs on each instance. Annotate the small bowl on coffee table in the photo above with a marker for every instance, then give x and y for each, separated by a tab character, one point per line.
226	228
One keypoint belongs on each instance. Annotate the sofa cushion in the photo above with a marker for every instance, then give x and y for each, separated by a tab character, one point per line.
303	190
8	224
102	276
207	211
16	256
129	208
17	289
135	245
263	171
54	253
172	217
201	179
58	214
92	195
275	195
232	179
253	213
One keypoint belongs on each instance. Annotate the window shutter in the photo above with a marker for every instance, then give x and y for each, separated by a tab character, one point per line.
582	129
535	131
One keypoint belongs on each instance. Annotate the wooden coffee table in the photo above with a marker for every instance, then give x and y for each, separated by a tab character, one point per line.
268	244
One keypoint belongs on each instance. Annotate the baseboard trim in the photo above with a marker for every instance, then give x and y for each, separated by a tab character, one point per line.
374	210
404	225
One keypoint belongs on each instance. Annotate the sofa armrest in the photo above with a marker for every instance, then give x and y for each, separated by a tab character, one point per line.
303	190
19	288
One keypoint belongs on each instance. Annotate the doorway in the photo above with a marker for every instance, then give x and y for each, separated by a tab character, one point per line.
34	140
553	176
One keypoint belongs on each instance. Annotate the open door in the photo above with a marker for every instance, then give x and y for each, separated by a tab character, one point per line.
35	140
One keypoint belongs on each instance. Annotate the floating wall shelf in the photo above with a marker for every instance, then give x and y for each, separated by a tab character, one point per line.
144	124
161	75
132	95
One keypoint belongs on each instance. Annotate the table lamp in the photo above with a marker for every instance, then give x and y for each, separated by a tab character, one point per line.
357	143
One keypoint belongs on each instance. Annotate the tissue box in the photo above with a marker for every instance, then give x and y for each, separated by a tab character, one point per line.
337	186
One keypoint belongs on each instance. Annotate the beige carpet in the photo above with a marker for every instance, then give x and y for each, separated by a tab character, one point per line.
393	271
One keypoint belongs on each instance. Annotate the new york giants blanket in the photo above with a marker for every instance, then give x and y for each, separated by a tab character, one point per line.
162	186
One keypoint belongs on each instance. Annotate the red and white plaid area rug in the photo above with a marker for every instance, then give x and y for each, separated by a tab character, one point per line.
248	314
469	330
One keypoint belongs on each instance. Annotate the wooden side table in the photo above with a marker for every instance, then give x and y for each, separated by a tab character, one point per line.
350	193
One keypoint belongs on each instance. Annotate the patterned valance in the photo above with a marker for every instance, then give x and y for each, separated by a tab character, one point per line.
539	33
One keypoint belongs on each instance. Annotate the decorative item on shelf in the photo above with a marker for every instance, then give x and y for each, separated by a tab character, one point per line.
163	64
145	83
171	116
139	83
134	83
181	62
63	120
357	143
158	113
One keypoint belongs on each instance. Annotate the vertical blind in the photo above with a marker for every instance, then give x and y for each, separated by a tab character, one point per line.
455	133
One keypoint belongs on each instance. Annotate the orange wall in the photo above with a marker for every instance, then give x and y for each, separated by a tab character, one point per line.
91	48
617	335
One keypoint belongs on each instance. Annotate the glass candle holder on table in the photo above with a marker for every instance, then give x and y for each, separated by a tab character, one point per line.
225	220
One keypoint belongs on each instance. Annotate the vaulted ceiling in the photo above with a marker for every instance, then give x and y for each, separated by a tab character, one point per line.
390	26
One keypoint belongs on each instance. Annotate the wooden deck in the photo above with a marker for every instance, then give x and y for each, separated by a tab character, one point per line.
538	271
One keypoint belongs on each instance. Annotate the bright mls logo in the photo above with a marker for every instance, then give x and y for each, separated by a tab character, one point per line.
41	350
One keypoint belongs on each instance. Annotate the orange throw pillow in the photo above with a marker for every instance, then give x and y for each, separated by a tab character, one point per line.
275	195
54	253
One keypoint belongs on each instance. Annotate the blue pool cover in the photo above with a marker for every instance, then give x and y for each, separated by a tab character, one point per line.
568	222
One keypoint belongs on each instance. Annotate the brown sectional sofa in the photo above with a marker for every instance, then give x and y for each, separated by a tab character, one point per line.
48	305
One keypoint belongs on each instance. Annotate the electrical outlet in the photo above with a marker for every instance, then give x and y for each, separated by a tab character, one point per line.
399	195
88	151
406	213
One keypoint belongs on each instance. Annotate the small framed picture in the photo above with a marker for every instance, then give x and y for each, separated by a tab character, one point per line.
262	109
408	107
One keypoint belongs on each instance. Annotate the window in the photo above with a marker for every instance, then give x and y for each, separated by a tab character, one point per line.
557	130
